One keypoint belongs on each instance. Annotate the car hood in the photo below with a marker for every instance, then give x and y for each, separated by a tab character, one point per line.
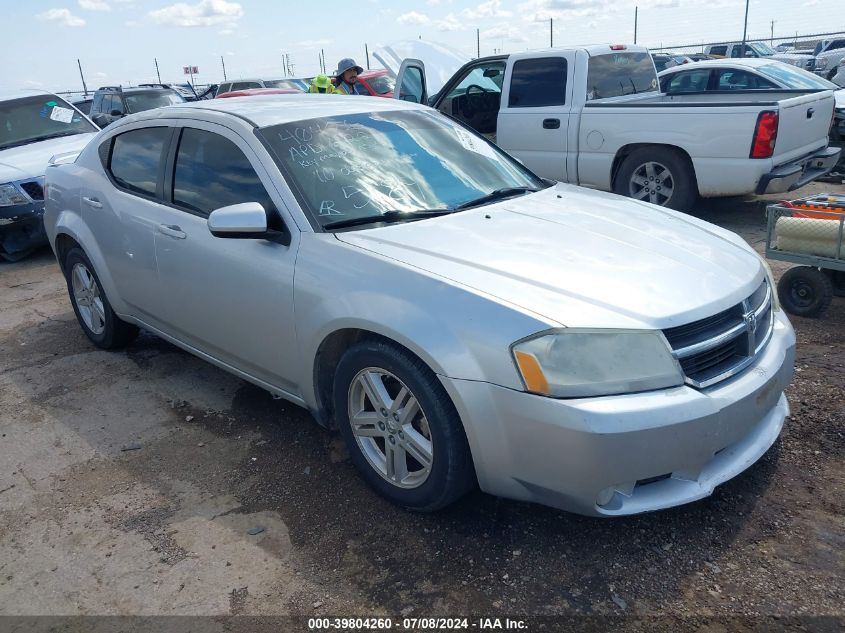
580	258
30	161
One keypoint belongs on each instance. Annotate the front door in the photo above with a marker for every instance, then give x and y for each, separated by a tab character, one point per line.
410	82
230	298
534	118
474	97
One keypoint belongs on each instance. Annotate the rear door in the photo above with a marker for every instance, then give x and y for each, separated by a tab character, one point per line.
410	82
535	112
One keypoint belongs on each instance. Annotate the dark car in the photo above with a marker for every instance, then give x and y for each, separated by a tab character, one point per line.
113	102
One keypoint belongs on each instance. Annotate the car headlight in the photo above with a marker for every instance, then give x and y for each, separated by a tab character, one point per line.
10	196
821	64
580	363
771	279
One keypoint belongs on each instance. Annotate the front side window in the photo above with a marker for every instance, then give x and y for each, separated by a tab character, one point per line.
39	118
141	101
361	165
97	104
620	74
136	158
538	82
719	50
734	79
212	172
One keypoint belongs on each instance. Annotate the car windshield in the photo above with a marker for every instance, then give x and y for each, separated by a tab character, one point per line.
795	78
620	74
282	83
764	50
32	119
382	84
140	101
362	165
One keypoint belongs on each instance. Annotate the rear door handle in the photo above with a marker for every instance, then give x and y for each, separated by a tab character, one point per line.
93	202
551	124
172	230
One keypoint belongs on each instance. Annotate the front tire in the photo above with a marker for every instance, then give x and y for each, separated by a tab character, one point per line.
805	291
92	307
402	430
659	175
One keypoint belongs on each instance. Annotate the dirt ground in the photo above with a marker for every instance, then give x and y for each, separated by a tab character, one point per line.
149	482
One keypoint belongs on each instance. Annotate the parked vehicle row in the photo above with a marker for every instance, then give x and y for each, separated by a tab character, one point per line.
594	116
461	321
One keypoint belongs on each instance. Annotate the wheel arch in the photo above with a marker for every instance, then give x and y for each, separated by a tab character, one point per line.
626	150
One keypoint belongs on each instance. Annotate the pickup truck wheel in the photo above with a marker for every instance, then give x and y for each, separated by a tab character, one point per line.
805	291
401	428
658	175
92	308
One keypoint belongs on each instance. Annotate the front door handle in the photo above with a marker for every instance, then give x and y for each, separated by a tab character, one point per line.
810	112
172	230
93	202
551	124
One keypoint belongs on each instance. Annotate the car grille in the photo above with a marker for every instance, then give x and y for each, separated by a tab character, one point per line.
715	348
33	189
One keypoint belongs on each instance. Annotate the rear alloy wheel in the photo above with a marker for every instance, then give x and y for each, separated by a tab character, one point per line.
658	175
805	291
92	308
400	426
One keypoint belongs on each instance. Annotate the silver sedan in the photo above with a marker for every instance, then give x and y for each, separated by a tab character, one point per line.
460	321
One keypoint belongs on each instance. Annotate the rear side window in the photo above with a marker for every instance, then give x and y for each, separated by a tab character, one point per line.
211	172
538	82
136	158
245	85
719	50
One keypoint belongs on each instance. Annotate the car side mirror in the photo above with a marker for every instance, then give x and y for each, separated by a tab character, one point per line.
247	220
116	113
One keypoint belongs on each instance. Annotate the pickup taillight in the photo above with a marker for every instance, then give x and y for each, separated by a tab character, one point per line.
765	135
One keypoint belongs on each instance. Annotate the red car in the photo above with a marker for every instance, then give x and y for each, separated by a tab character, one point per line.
377	83
257	92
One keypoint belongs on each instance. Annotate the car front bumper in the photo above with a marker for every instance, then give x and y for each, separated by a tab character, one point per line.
21	228
798	173
633	453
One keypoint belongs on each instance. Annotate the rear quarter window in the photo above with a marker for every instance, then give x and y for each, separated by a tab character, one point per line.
136	159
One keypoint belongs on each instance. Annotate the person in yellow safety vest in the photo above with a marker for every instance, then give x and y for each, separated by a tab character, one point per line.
321	84
346	77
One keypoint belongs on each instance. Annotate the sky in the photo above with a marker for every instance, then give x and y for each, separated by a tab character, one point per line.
118	41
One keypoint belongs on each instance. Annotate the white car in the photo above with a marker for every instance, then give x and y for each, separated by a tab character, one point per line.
458	319
829	54
839	77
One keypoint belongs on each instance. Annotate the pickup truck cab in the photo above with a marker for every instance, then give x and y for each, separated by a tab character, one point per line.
34	126
594	116
760	50
828	55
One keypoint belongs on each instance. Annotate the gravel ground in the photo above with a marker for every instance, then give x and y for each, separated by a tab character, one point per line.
148	482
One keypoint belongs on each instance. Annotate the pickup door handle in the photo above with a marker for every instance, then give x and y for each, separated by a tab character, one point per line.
172	230
93	202
551	124
810	112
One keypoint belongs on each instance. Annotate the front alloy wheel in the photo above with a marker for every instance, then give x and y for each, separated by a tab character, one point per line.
390	427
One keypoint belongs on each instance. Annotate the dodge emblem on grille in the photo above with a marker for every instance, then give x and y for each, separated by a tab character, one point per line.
750	322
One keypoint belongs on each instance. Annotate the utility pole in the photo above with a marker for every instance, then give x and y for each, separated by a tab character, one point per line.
744	31
84	87
772	40
478	42
636	11
551	33
222	63
323	60
157	73
367	55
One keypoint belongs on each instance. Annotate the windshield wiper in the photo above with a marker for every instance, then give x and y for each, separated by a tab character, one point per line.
498	194
38	139
388	216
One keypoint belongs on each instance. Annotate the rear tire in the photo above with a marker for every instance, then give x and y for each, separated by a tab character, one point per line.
92	307
402	430
649	173
805	291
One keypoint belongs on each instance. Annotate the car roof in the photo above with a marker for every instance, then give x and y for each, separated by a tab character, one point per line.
751	62
263	111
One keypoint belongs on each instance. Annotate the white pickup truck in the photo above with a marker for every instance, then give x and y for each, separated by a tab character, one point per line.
594	116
